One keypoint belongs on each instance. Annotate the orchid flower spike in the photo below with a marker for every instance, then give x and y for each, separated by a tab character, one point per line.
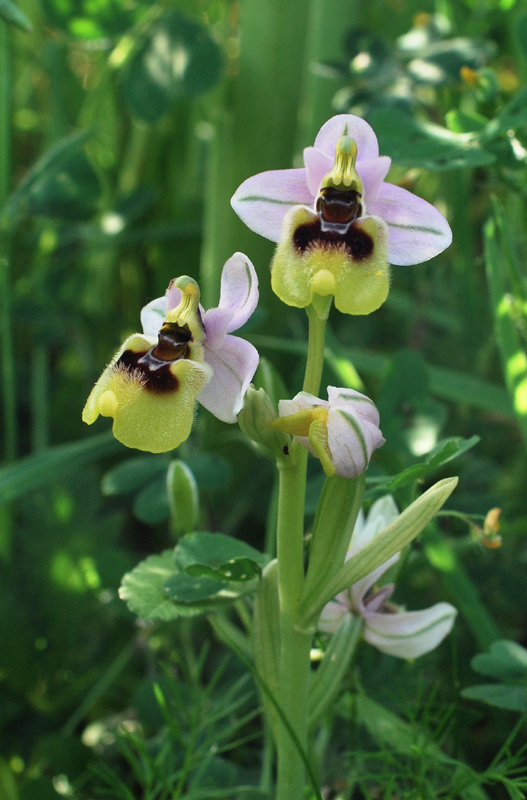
184	354
342	431
405	634
338	224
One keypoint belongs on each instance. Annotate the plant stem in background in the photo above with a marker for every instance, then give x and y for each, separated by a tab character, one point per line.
8	365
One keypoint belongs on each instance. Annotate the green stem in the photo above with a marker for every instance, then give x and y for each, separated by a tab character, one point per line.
6	341
294	666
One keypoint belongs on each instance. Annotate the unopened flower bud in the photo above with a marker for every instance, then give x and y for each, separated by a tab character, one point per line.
183	497
255	420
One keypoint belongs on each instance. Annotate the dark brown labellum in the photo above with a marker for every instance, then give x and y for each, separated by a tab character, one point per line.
339	207
173	342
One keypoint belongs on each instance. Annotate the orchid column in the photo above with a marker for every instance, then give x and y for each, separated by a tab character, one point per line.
338	226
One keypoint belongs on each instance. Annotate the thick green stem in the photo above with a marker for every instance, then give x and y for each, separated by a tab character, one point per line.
294	667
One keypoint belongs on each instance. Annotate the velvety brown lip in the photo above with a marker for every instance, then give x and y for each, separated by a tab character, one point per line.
357	242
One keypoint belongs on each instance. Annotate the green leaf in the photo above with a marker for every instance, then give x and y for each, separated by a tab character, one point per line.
129	475
390	541
57	179
203	593
32	472
414	143
99	19
14	16
445	451
143	589
511	698
266	639
506	660
151	504
326	681
212	472
218	556
8	788
177	59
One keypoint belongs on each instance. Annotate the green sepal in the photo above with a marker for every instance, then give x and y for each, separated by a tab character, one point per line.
337	512
255	420
390	541
326	681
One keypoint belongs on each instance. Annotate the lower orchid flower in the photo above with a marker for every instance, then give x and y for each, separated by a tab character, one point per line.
338	223
342	431
184	354
389	628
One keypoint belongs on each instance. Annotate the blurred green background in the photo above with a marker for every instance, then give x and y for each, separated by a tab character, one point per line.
125	128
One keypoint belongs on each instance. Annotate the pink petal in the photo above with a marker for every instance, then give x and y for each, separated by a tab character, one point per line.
357	128
263	200
372	174
234	365
418	231
317	164
238	295
410	634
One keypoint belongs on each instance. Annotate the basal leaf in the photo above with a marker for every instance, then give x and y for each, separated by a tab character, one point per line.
506	660
512	698
143	589
216	554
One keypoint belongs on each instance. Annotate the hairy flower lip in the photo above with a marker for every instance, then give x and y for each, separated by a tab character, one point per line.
417	230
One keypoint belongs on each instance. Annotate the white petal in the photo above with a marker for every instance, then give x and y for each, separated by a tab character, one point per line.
382	513
234	365
153	315
410	634
333	614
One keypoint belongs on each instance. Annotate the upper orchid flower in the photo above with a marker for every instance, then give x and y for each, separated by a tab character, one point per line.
342	431
184	354
405	634
338	223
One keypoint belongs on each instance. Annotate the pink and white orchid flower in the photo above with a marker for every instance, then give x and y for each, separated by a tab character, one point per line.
184	354
404	634
342	431
417	230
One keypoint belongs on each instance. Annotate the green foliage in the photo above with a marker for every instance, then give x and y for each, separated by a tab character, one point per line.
506	661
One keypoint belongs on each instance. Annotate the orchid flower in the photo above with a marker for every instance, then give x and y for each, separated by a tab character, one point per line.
405	634
342	431
184	354
338	223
